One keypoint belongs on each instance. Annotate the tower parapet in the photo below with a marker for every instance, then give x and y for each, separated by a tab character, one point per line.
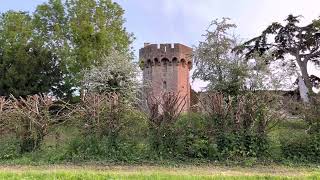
154	54
166	69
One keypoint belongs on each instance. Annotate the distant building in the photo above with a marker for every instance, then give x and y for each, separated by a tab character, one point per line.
166	69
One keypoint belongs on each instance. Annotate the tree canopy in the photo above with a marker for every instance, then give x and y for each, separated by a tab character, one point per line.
80	32
26	67
48	50
300	42
116	75
215	61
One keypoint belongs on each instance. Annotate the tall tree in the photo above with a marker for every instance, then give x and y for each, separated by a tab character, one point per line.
51	27
81	32
25	66
215	61
300	42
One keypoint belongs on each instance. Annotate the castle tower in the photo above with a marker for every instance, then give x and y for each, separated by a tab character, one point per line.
166	69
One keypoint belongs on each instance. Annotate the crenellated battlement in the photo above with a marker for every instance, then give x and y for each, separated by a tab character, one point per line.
157	54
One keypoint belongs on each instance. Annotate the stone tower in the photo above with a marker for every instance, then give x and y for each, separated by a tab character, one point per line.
166	69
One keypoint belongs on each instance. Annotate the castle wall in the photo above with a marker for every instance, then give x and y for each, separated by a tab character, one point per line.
166	69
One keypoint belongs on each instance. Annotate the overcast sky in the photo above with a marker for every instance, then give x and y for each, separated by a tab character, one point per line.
184	21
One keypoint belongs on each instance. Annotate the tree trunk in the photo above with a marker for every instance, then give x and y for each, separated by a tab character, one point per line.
305	85
303	90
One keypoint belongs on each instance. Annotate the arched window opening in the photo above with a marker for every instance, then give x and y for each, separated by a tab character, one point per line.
183	62
148	63
175	61
165	63
189	64
157	62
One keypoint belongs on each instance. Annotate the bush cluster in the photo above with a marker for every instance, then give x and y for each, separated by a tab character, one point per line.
302	148
305	145
105	127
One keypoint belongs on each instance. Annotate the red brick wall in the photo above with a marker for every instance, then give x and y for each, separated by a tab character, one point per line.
165	63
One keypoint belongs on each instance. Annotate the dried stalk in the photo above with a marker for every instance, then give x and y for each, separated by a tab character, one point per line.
34	115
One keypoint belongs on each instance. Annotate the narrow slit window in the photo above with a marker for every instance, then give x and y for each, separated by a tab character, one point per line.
165	85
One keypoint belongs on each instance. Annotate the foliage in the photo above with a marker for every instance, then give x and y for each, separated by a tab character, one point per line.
101	115
109	129
31	118
311	114
253	112
231	128
9	148
91	148
5	112
267	76
83	42
192	139
26	67
237	147
163	113
215	62
301	147
238	126
49	50
301	42
81	32
262	111
116	75
106	116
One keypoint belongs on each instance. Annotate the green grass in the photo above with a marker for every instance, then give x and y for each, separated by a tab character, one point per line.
284	130
155	172
103	176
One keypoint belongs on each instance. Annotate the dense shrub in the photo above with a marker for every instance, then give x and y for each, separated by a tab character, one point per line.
195	140
31	118
239	146
91	148
9	148
163	114
101	115
311	114
305	145
103	127
109	130
301	147
192	141
238	126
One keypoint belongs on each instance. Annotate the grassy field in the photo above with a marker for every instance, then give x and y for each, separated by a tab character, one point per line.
155	172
